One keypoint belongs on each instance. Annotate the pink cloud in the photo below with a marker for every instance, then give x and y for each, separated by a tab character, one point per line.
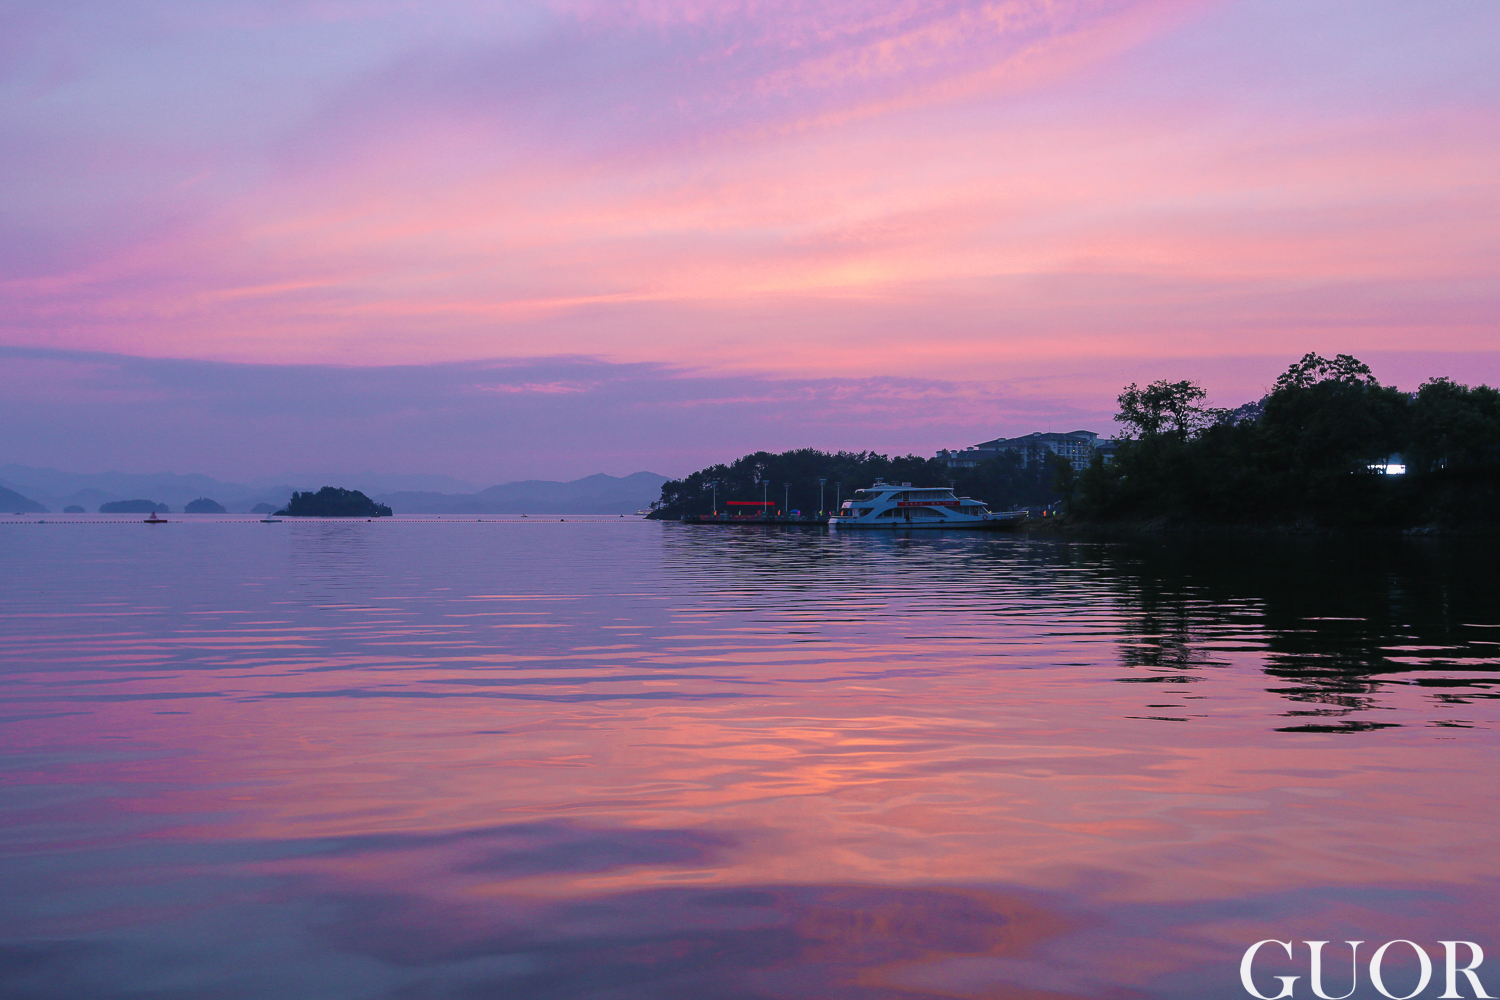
932	188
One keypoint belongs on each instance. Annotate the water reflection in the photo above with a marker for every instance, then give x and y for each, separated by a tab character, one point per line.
642	760
1340	620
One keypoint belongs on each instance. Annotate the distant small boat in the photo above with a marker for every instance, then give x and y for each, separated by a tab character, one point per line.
153	519
268	519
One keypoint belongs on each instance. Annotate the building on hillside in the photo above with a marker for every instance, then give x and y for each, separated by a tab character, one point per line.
1077	447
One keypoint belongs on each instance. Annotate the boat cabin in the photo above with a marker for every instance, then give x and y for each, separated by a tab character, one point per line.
902	501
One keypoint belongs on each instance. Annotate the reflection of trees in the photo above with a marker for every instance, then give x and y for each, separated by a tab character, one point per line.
1169	627
1339	618
1335	619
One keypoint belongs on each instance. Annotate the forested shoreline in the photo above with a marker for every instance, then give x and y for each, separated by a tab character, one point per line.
790	480
1312	452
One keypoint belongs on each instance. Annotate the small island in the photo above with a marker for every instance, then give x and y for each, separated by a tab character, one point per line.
204	505
331	501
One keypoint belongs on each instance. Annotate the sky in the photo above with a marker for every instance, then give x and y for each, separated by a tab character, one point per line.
547	239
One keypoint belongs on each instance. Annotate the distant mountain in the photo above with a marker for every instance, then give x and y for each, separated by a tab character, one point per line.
134	507
406	493
89	498
94	488
368	482
15	503
598	494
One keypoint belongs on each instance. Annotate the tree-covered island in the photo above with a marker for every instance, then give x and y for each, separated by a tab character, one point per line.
1328	446
331	501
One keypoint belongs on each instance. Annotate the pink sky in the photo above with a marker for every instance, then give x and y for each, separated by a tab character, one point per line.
1075	194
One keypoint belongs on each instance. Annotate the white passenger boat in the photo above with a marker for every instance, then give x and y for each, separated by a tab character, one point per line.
901	505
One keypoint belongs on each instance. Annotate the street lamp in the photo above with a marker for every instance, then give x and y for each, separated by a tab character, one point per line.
786	503
838	491
821	509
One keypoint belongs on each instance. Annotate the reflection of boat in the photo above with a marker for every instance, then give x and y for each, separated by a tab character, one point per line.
893	505
153	519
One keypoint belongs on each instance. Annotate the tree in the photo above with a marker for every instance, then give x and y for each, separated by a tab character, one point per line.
1328	418
1454	426
1163	407
1063	479
1313	369
1308	453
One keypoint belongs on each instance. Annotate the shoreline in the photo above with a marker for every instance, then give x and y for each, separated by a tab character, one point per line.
1164	524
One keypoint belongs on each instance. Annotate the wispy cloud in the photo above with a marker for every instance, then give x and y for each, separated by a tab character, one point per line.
558	417
489	420
927	187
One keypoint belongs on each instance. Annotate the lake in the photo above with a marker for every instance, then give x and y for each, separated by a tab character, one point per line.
614	759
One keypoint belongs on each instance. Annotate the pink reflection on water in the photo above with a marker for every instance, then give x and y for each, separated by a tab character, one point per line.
745	791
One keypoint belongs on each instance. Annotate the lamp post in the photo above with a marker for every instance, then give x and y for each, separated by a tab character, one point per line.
714	485
786	503
821	509
838	491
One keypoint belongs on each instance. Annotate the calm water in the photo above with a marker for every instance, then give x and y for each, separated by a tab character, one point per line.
616	759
